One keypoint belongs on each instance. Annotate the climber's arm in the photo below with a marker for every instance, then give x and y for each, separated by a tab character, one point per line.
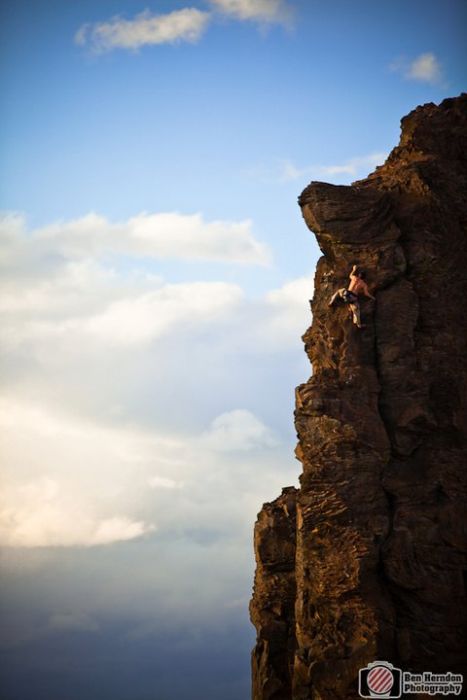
366	291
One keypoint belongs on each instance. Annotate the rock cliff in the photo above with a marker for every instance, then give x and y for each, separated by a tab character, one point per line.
367	559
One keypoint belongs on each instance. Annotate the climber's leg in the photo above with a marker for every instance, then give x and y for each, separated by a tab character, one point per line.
339	293
355	309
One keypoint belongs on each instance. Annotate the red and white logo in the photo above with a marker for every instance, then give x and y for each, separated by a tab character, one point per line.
380	680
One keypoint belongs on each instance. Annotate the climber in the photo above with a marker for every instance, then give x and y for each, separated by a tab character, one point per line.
349	296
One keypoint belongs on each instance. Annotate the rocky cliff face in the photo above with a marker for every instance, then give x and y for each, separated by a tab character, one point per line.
367	560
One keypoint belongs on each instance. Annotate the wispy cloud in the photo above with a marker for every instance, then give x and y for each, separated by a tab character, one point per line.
354	166
263	11
424	68
145	29
288	171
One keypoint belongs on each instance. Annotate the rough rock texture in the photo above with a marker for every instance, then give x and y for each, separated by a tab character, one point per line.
273	612
367	560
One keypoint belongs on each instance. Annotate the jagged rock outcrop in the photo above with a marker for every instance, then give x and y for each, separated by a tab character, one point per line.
367	560
273	612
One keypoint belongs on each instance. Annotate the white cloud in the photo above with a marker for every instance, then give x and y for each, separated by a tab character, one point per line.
58	283
238	430
117	529
291	295
162	235
142	319
67	480
134	319
34	515
266	11
145	29
287	312
187	24
424	68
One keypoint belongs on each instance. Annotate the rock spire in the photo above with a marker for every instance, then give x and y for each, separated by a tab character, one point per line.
367	559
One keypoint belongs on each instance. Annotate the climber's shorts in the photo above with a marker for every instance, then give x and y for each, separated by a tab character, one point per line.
348	297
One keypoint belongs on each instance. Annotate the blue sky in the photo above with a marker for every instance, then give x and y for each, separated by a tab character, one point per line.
155	282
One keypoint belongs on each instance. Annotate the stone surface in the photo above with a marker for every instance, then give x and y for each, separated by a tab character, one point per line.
367	560
272	611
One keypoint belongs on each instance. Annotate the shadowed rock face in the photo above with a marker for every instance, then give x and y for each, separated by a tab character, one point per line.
368	559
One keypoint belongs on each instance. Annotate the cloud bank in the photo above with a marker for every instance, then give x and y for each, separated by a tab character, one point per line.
71	483
160	235
133	407
64	478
